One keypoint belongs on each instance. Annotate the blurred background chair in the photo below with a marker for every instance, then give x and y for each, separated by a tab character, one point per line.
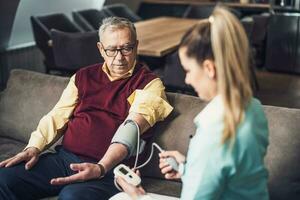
198	12
248	24
204	11
90	19
41	26
121	10
174	76
283	47
75	50
258	38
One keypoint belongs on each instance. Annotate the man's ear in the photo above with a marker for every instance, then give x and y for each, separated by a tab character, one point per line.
210	68
100	48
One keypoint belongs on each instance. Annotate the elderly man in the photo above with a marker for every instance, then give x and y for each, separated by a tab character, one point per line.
90	113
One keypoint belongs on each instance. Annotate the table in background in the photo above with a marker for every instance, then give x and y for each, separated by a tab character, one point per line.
160	36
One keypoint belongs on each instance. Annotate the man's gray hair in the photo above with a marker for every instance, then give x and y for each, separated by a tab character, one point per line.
116	23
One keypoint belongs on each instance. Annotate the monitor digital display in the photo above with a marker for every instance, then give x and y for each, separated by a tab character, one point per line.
123	170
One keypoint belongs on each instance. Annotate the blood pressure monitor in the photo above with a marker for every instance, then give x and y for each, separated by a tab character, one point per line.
127	174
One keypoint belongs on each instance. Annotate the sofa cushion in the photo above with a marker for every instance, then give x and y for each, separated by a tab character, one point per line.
9	147
28	96
283	154
176	129
161	186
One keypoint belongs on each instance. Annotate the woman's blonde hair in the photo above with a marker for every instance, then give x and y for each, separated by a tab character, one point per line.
222	39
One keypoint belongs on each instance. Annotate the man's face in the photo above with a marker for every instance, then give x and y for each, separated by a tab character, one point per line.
118	48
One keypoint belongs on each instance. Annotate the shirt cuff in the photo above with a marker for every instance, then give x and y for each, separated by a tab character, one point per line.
36	142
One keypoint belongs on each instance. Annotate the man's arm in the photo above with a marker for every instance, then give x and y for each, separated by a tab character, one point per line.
50	124
114	155
147	107
117	151
150	102
153	98
47	129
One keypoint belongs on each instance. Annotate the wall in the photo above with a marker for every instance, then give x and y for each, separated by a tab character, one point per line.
17	48
21	31
7	15
132	4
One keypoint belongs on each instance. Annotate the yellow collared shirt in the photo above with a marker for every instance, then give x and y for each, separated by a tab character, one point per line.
150	102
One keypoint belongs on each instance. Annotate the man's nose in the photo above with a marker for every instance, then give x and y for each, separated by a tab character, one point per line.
119	55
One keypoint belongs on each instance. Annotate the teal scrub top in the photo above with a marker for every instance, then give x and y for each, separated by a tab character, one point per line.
223	171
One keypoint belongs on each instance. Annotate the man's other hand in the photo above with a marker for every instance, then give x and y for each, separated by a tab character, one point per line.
85	171
30	156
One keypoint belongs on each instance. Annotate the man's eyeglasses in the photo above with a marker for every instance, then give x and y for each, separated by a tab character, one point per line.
125	51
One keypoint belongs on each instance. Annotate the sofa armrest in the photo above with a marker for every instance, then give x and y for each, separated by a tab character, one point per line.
1	95
28	96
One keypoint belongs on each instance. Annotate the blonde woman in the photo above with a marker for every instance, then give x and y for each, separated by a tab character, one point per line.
226	155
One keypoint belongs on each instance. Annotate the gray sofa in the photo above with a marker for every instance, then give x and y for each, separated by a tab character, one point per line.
29	95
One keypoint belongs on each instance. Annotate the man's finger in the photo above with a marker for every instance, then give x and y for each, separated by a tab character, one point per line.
66	180
78	166
14	161
4	162
31	162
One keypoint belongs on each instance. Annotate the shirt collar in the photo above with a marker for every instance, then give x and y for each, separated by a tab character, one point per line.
111	78
212	113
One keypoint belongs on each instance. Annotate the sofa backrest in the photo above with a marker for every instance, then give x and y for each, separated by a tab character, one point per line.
174	133
28	96
283	154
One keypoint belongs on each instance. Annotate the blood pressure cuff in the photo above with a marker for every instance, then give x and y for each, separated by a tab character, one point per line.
127	134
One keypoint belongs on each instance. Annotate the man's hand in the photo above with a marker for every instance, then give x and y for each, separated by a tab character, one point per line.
86	171
30	156
131	190
165	168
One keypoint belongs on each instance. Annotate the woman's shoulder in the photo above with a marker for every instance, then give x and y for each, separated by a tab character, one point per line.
254	117
253	130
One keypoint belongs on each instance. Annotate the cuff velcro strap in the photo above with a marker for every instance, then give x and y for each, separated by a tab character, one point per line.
127	134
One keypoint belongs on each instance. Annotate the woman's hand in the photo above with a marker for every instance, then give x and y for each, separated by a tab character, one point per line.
86	171
133	191
165	168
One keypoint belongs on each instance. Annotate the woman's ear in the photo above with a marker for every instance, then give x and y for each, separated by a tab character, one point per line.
210	69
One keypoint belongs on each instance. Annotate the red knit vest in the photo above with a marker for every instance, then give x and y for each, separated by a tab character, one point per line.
102	107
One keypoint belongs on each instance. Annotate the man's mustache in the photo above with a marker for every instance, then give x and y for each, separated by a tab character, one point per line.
119	64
